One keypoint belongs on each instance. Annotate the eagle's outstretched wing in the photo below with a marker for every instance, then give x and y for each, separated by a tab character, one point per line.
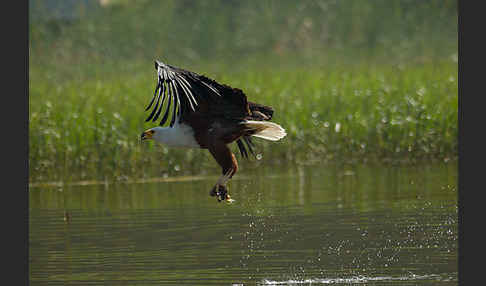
185	90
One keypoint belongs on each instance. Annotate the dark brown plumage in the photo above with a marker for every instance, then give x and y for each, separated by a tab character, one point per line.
217	114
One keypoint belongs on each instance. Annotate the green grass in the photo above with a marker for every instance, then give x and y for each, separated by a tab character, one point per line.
88	128
349	81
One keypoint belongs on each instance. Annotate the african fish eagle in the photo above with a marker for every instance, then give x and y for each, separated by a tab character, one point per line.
208	115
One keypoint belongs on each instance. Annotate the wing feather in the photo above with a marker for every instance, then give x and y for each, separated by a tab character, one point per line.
185	90
241	146
211	88
161	104
156	105
166	114
176	103
153	98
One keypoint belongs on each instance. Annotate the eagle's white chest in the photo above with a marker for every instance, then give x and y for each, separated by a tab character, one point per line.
180	135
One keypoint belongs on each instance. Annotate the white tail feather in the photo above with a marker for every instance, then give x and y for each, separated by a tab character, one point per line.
268	130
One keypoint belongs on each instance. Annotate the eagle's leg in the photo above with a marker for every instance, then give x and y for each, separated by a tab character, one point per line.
220	190
229	165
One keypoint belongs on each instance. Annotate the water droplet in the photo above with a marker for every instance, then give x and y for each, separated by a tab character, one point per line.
337	128
421	91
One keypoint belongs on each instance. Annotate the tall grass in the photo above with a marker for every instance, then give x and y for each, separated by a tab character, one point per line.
91	129
349	80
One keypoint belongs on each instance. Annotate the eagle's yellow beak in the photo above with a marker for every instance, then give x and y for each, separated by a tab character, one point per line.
147	134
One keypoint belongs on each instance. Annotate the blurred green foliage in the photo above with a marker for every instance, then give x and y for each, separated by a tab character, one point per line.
349	80
230	32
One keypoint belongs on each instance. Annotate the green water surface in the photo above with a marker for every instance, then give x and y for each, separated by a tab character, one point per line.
360	224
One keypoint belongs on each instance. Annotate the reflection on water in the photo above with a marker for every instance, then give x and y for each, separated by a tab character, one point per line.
359	224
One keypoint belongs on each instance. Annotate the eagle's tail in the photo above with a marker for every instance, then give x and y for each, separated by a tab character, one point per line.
260	111
265	129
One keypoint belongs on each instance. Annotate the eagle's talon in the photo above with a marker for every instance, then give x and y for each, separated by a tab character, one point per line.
221	192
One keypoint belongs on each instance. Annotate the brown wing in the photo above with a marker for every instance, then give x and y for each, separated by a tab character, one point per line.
182	92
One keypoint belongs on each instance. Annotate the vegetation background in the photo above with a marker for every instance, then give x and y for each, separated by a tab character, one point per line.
351	81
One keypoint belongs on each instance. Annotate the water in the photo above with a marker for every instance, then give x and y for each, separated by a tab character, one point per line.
289	226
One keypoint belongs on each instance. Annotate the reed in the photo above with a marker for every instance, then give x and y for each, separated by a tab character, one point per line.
349	80
90	129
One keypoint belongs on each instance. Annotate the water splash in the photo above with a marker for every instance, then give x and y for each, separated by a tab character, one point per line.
359	279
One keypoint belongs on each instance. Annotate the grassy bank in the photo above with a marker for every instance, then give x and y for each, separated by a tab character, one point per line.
89	129
349	80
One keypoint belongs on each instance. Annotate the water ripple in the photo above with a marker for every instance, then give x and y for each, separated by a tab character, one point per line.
363	279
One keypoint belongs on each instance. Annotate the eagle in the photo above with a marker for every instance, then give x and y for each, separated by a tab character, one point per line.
206	114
